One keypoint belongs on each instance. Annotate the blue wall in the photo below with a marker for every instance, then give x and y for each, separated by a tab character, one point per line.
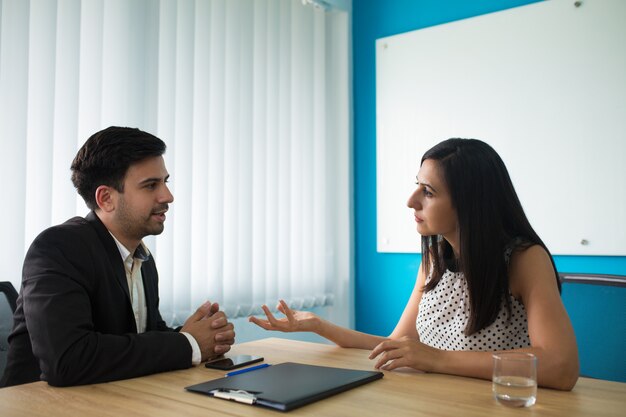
600	346
384	281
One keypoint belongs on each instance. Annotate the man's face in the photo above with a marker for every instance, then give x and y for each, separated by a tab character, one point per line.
140	209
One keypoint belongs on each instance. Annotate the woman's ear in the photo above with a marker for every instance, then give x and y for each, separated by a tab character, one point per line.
106	198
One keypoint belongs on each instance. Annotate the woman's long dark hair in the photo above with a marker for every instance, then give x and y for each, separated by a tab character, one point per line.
490	217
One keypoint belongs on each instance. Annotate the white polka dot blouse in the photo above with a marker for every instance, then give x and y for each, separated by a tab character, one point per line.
445	310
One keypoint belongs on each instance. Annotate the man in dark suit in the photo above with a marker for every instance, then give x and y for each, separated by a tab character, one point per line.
88	309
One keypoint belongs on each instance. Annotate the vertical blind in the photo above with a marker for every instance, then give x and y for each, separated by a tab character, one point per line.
252	99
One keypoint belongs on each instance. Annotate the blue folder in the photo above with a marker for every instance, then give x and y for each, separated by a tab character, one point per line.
285	386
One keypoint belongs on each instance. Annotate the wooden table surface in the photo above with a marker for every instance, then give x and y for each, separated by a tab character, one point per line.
398	393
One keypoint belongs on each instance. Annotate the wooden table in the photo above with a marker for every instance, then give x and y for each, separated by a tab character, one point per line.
399	393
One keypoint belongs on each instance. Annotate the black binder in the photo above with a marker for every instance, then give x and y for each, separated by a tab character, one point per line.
285	386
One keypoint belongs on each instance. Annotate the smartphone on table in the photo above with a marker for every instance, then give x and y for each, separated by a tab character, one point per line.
232	362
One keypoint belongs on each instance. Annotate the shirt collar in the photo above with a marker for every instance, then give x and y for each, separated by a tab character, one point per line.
142	253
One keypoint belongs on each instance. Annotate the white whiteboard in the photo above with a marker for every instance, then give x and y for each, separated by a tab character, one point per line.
545	85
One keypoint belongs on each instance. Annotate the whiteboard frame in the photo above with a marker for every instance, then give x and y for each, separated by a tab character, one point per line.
545	85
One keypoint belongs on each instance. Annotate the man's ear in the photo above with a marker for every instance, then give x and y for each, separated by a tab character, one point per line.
106	198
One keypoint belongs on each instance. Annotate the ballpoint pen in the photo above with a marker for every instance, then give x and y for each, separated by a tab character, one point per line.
252	368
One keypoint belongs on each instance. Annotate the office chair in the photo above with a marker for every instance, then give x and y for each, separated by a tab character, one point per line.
595	304
8	300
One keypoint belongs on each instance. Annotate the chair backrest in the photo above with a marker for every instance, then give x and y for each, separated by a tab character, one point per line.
596	306
8	299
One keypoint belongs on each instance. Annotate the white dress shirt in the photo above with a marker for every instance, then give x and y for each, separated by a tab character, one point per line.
132	267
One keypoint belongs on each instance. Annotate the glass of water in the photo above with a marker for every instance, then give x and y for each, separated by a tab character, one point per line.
515	379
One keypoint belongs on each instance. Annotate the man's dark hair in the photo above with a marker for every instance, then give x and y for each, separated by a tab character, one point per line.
106	156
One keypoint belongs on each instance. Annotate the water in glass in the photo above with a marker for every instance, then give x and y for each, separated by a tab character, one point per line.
515	391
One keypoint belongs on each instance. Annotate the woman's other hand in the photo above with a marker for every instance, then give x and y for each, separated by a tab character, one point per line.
393	354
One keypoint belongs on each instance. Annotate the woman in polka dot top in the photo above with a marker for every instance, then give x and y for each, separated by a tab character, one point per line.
486	283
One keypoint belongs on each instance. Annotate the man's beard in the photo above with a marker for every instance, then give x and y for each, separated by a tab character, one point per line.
138	227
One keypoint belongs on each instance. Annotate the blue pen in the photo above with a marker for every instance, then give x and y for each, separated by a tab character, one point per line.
252	368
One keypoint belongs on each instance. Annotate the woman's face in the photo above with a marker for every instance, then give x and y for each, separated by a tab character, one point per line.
432	205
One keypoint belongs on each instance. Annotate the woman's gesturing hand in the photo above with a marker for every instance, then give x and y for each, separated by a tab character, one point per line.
294	321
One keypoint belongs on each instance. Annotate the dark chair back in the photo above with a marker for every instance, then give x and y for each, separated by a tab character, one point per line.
596	304
8	300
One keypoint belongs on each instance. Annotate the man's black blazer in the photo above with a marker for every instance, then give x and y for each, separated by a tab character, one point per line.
74	323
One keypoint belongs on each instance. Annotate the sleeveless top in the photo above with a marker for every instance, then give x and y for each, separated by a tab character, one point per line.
444	312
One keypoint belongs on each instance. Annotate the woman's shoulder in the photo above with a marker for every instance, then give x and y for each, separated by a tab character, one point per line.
526	250
518	244
528	263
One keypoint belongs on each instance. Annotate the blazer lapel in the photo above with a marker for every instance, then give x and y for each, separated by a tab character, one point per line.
111	251
151	292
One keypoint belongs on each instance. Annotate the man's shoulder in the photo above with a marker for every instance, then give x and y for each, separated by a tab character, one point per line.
76	242
72	227
74	233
